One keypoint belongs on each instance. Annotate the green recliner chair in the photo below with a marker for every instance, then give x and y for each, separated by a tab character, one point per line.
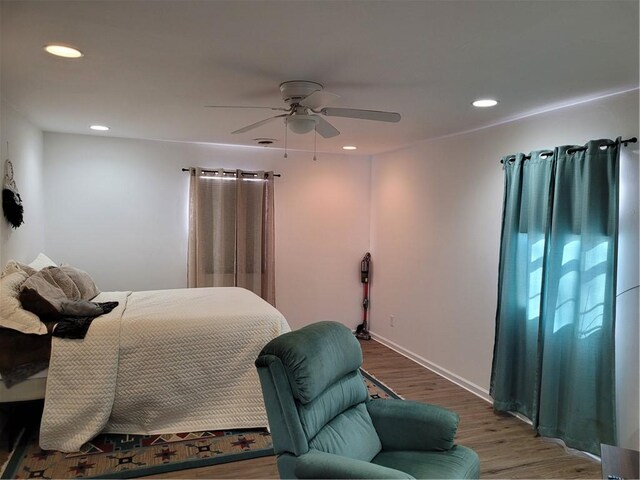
324	425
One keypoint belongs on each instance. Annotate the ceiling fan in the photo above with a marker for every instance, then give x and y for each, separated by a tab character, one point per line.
307	102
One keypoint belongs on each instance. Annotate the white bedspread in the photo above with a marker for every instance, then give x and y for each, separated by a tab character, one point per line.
163	361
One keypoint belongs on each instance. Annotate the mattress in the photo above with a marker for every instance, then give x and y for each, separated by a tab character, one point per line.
33	388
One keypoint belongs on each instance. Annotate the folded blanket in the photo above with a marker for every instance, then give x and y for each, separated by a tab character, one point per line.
84	312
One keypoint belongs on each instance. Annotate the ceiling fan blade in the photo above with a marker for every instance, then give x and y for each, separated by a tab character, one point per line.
259	124
363	114
325	129
244	106
318	99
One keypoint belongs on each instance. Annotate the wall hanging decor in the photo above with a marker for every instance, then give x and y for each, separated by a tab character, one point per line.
11	201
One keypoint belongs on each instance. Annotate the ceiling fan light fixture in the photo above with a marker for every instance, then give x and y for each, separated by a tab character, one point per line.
302	123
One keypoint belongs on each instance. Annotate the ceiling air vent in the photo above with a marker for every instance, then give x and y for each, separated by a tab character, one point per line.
265	142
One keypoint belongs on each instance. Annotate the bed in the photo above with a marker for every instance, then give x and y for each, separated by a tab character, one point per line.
161	361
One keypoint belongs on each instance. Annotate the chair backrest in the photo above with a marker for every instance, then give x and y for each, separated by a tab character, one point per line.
314	393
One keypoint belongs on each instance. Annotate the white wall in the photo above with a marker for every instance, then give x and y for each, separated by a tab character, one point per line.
118	209
627	316
25	152
435	234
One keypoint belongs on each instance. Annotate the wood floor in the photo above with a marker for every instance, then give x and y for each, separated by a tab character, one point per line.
508	447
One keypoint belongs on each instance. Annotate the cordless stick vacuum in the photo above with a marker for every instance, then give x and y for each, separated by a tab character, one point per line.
362	330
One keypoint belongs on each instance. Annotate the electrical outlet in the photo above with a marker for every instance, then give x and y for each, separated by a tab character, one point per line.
392	320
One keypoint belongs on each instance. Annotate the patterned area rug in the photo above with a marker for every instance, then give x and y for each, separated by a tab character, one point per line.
127	456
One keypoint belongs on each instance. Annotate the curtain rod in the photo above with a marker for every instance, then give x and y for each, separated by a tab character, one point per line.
230	172
549	153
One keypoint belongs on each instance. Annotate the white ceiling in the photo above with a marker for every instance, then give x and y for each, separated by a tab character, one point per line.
151	66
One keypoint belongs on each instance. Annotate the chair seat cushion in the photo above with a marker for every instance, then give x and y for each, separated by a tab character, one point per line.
458	462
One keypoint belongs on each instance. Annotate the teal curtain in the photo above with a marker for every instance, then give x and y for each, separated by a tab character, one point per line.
554	344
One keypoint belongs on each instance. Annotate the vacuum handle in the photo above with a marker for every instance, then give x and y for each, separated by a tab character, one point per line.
364	268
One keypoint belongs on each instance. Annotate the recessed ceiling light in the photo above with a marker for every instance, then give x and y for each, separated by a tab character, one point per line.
63	51
100	128
349	147
485	102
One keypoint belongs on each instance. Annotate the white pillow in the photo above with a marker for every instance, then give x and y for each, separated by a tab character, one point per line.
42	261
12	315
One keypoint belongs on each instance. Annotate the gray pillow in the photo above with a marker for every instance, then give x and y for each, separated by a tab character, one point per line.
53	282
39	293
83	281
53	290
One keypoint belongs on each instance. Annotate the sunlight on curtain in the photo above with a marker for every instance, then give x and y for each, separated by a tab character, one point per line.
231	231
535	280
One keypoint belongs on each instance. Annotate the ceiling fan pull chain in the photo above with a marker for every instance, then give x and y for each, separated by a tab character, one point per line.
315	142
286	121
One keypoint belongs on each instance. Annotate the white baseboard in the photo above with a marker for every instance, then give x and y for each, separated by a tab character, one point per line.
443	372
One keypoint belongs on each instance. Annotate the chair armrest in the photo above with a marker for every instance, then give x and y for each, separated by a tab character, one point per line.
317	464
407	425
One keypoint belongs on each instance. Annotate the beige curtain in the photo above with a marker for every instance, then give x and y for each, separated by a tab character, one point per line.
231	231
